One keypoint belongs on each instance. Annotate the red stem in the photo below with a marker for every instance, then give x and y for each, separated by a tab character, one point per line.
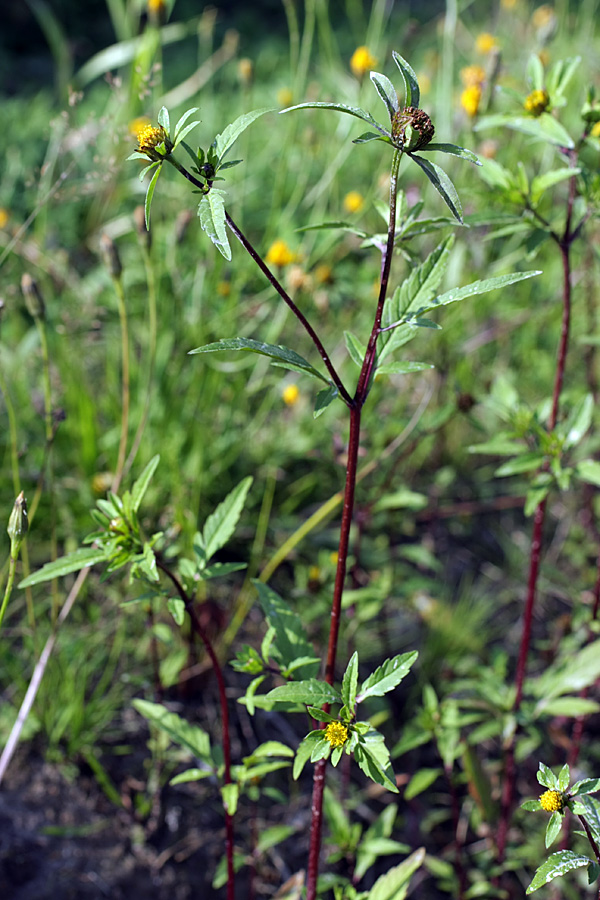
189	608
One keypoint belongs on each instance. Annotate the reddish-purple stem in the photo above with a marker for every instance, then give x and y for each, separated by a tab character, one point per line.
189	608
508	787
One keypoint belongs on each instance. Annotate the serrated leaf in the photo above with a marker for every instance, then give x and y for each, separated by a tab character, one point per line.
443	185
221	524
324	399
219	570
149	196
387	676
557	864
394	884
141	485
350	682
452	150
320	715
79	559
190	737
224	141
355	111
282	356
403	368
211	211
387	92
587	786
290	640
553	828
588	470
312	692
411	85
369	762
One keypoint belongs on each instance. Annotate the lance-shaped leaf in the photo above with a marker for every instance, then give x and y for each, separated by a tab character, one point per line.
211	211
394	884
225	141
312	692
547	778
442	184
180	130
387	92
411	85
290	640
80	559
387	676
452	150
479	287
342	107
544	127
141	485
150	194
305	750
588	470
323	399
350	682
281	356
191	737
553	828
221	524
557	864
163	119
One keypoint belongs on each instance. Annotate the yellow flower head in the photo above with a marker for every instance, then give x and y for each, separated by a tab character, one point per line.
314	573
537	102
353	202
149	137
361	61
552	801
470	100
137	125
279	254
595	132
485	42
336	733
285	97
4	217
543	16
474	74
290	394
508	4
333	558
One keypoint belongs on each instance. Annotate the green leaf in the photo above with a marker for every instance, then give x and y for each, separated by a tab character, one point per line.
350	682
190	737
163	119
569	707
541	183
311	692
225	141
547	778
526	462
544	128
453	150
342	107
578	422
270	837
588	470
290	640
251	690
553	828
403	368
355	348
221	524
230	794
147	169
141	485
411	84
564	776
370	763
371	846
420	781
394	884
282	356
192	775
324	399
387	92
75	561
557	864
211	211
569	675
184	132
402	499
368	136
179	134
531	805
442	184
176	607
481	287
498	446
320	715
304	751
149	196
387	676
587	786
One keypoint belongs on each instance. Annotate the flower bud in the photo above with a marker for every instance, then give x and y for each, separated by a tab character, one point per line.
33	297
110	255
17	523
412	129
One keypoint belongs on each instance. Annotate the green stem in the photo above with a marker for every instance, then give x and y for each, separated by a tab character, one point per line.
12	566
124	383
